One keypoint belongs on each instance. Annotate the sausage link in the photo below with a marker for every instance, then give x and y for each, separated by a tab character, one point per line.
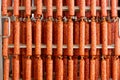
117	40
15	69
92	69
5	40
38	38
16	38
59	7
28	38
65	33
115	69
87	65
59	70
97	64
65	69
59	38
82	7
4	7
103	8
28	7
16	8
93	7
71	7
104	38
103	70
76	33
38	69
49	8
49	69
39	7
109	72
75	69
82	38
114	8
93	38
6	69
82	69
28	69
70	38
70	69
49	38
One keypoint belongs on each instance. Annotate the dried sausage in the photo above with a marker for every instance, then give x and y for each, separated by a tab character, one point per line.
70	69
39	7
16	7
5	40
28	69
49	38
92	69
59	38
82	68
28	7
82	38
59	8
28	38
15	69
103	70
38	38
6	69
4	7
49	69
16	38
70	38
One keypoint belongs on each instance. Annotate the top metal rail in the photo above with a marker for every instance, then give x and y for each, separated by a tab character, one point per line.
65	8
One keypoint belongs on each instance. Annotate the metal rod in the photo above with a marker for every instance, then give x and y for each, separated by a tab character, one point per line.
1	59
64	46
65	8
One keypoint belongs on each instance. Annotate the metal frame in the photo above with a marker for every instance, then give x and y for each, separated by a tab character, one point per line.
65	8
1	59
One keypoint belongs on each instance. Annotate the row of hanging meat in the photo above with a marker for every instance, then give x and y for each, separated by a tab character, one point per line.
61	64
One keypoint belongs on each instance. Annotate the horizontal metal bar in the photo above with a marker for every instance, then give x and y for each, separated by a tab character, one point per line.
65	46
65	8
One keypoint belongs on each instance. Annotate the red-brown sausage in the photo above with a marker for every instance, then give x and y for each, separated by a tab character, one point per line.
49	38
59	8
39	7
82	38
92	69
4	7
49	69
28	7
70	69
15	69
38	38
70	4
59	38
28	38
59	70
28	69
49	8
38	69
70	38
16	8
103	70
82	69
5	40
6	69
17	37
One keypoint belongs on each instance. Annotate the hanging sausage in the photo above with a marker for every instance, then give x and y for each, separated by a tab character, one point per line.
104	39
82	38
117	40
